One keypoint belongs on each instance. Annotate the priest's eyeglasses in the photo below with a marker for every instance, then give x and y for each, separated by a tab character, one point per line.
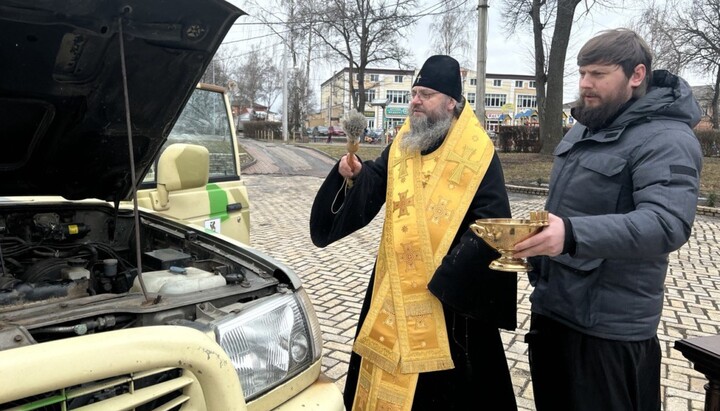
423	95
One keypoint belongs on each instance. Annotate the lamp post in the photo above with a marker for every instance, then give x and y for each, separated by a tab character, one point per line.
285	97
481	61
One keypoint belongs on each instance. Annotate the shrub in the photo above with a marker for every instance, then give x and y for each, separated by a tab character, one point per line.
709	142
711	200
519	139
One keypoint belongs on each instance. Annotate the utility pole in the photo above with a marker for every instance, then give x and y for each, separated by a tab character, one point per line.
481	61
285	96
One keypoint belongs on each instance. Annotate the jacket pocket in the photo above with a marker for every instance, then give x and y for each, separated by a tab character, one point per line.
572	289
605	164
596	184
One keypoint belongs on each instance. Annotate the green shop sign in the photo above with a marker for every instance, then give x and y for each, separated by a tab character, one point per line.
396	111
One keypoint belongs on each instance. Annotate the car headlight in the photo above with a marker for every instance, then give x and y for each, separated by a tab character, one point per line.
271	340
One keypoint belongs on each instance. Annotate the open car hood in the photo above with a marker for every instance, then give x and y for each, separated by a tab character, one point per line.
62	103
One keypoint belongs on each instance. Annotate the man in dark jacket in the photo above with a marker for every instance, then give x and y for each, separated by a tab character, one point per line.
623	195
428	330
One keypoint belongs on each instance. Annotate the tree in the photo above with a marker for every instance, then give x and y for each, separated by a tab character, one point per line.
543	15
686	38
218	72
361	33
256	78
271	86
698	28
282	18
654	26
451	32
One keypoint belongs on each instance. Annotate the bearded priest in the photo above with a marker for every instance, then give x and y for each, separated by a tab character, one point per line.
428	335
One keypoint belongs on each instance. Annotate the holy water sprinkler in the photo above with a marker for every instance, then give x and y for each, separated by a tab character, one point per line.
354	124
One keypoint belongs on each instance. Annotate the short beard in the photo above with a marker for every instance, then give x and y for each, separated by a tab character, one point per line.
425	134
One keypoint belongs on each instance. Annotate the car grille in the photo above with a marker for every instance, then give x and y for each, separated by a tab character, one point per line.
157	367
155	389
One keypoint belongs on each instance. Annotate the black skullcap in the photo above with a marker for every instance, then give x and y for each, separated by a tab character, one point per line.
441	73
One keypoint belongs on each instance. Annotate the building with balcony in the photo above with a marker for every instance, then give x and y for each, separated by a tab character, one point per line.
508	97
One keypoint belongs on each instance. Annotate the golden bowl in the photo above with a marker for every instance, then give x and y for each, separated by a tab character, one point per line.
503	233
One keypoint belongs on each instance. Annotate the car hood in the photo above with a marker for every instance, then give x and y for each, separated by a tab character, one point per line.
62	102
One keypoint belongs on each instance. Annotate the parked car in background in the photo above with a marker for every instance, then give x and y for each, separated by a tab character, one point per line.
374	135
320	131
112	304
336	131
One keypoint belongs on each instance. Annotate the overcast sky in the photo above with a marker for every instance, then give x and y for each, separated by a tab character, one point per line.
506	54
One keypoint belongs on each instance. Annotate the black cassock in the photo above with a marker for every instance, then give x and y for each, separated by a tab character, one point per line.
477	301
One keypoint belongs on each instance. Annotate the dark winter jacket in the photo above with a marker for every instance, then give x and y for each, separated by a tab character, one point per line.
630	193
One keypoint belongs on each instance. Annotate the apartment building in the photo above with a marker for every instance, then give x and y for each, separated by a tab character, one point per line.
386	93
509	98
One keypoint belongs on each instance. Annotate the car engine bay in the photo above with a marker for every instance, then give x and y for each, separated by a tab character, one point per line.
70	271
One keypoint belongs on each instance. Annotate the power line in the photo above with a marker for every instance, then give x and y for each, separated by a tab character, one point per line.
427	12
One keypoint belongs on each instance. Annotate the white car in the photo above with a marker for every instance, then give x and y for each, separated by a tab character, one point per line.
113	298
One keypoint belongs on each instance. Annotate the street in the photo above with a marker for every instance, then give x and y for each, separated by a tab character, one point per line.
336	276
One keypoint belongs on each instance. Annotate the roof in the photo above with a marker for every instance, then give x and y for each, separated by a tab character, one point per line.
527	113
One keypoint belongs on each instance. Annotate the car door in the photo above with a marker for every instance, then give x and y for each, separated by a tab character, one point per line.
218	202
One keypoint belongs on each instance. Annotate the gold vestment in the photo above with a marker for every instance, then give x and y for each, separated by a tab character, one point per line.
426	201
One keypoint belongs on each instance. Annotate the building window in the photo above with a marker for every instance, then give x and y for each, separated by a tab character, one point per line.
374	77
531	84
526	101
518	83
471	98
398	79
398	96
369	95
394	122
473	82
495	100
497	83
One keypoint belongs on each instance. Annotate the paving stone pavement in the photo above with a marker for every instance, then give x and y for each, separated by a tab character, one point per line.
336	278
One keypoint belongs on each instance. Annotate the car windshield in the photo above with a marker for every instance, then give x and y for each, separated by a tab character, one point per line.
204	122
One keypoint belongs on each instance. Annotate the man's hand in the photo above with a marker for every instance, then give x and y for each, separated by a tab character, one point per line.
549	241
344	167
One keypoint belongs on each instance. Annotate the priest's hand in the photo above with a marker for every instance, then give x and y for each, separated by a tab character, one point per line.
345	169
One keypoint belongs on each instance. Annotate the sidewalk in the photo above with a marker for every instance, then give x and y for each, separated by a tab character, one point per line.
336	278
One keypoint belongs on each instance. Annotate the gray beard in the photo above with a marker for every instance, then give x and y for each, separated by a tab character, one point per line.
424	135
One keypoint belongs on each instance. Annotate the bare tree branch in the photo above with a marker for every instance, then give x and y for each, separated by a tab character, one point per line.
361	34
450	33
543	17
687	37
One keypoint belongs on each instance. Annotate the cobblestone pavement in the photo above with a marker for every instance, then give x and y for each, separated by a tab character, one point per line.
336	278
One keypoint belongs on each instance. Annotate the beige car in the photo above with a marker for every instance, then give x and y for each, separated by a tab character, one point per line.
126	278
217	201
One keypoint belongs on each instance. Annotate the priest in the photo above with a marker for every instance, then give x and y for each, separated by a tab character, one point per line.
428	336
